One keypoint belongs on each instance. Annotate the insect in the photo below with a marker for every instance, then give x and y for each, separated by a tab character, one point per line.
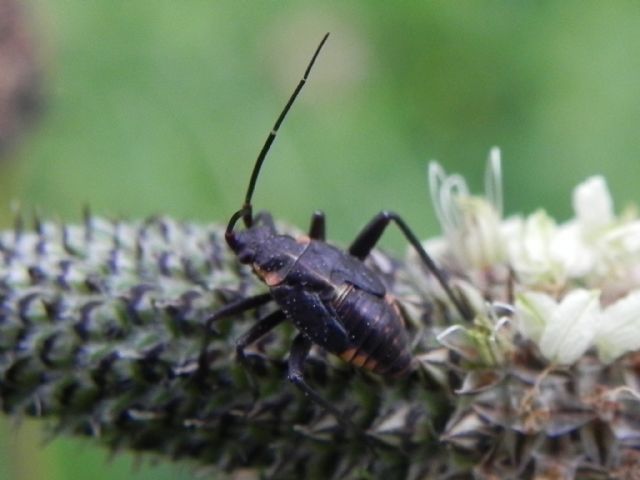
333	299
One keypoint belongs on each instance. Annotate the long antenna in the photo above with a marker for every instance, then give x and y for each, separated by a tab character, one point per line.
246	209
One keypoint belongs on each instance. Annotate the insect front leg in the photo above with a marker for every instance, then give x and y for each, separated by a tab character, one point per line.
257	331
370	235
238	306
228	310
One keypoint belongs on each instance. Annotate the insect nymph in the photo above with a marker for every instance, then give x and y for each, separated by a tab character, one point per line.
334	300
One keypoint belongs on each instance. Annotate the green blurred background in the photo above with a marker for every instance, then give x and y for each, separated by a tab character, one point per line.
161	107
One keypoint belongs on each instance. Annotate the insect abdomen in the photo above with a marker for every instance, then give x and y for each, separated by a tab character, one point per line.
377	336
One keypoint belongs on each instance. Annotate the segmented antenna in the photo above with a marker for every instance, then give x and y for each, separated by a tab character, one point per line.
246	210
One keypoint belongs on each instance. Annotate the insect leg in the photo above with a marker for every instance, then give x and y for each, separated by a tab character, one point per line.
370	234
317	230
238	306
264	326
266	219
233	308
299	352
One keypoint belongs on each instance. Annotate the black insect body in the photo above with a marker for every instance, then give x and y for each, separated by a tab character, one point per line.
330	295
333	299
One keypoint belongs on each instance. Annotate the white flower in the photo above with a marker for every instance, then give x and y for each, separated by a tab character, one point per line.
529	245
591	249
570	249
618	331
593	205
471	224
563	330
592	261
602	247
533	311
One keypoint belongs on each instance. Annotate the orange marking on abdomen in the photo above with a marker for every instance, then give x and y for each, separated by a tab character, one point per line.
359	360
371	364
348	354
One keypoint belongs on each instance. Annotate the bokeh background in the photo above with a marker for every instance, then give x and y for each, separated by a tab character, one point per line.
153	107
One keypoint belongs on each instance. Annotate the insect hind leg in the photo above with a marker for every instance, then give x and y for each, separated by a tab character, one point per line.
370	235
299	353
318	228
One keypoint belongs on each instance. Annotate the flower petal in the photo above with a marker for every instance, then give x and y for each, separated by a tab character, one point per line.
569	250
493	181
528	243
592	204
571	328
618	331
534	310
